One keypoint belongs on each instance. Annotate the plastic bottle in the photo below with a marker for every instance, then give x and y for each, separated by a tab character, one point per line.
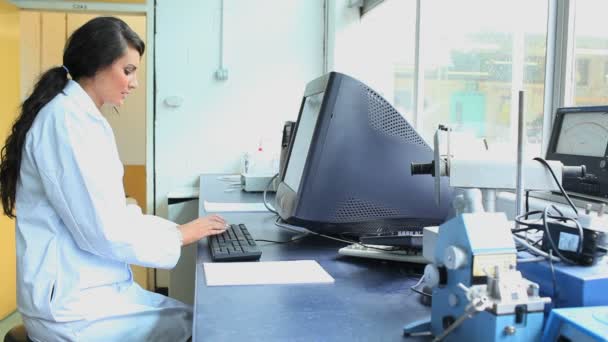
261	161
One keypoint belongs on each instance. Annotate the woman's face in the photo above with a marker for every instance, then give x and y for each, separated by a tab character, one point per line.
114	83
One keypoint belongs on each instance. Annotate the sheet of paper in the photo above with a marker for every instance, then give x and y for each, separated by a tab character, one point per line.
220	207
265	272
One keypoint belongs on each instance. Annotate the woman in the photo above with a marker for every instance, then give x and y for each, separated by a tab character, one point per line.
61	176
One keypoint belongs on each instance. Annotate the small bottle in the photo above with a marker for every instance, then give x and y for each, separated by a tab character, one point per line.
257	160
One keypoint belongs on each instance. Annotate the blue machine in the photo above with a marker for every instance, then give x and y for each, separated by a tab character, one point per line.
577	324
478	295
574	286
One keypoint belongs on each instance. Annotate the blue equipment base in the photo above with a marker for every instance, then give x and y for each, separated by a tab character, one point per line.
575	286
486	327
577	324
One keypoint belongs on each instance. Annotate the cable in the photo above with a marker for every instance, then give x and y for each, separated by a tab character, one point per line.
534	249
419	281
562	220
527	202
298	228
559	185
281	242
555	294
523	229
527	260
272	210
525	215
414	288
420	292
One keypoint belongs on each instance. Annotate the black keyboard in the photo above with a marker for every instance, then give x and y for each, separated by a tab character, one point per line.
235	244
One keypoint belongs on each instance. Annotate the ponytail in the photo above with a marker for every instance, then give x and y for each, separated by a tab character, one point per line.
48	86
92	47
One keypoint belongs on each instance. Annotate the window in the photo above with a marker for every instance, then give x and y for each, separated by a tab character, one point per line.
464	66
590	54
474	62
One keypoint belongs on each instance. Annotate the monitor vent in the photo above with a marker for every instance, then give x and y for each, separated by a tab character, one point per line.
353	210
385	119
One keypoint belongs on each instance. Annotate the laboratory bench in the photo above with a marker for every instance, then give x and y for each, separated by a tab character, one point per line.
369	300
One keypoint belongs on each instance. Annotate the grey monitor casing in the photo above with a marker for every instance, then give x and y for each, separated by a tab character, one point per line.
357	178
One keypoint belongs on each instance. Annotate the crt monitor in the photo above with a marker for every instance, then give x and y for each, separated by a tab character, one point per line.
348	165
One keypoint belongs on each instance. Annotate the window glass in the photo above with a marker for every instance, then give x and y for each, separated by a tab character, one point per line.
379	51
476	55
590	53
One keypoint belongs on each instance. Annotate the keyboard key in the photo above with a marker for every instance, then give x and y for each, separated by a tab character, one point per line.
235	244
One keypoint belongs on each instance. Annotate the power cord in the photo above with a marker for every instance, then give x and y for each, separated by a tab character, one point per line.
559	185
281	242
266	204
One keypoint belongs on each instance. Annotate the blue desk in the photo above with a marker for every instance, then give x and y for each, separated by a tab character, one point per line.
369	301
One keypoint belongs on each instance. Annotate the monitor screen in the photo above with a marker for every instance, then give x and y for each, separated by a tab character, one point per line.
301	144
583	134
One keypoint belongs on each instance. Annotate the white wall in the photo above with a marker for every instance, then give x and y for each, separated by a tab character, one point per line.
362	47
272	48
365	47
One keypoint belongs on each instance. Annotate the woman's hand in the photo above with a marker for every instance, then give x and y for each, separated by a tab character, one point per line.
202	227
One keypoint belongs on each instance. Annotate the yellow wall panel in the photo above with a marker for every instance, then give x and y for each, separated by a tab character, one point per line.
9	104
140	274
30	32
53	39
135	183
118	1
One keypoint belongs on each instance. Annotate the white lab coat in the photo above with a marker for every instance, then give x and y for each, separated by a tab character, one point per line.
76	236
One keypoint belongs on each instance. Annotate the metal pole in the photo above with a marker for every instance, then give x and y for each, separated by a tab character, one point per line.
519	190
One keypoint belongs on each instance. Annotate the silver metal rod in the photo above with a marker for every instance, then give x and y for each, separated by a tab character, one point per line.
453	326
489	200
418	92
519	190
221	34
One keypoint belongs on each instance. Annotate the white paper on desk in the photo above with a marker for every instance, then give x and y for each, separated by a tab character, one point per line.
265	272
219	207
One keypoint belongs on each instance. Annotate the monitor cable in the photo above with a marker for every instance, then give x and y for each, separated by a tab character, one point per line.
559	185
266	204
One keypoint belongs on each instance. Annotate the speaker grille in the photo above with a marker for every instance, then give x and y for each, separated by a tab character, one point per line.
353	210
386	120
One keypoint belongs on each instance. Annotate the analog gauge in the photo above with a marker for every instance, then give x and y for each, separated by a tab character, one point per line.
583	134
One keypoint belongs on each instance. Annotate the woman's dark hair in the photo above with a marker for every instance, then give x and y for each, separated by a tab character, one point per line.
91	48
